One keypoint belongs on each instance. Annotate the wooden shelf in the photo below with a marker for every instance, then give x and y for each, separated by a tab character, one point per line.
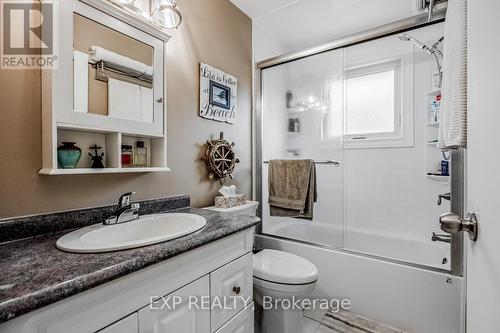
88	171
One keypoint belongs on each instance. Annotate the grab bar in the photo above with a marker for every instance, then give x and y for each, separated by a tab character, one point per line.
318	162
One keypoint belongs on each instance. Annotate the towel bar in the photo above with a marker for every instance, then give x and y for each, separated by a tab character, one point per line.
319	162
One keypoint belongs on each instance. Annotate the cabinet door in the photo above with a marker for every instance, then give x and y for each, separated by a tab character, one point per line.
231	284
128	324
182	317
243	322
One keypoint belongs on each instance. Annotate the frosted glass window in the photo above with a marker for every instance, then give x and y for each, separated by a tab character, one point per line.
370	103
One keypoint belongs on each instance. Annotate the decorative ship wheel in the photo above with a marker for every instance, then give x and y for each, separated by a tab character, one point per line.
220	158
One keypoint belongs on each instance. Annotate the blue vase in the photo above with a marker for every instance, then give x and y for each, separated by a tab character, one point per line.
68	155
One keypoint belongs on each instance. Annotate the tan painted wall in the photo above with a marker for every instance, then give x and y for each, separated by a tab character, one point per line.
214	32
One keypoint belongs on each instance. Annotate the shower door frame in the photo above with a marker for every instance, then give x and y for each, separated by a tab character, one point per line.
458	157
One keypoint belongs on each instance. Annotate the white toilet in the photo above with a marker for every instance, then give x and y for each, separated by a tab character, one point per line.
279	278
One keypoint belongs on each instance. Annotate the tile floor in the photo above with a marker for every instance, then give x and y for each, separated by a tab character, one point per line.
322	321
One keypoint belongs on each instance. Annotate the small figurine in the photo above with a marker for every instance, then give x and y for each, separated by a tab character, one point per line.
96	159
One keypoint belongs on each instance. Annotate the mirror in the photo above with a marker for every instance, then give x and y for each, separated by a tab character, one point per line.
112	72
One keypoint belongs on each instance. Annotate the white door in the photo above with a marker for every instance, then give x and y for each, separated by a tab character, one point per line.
182	317
483	162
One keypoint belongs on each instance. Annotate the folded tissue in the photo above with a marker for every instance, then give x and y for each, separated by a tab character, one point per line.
229	198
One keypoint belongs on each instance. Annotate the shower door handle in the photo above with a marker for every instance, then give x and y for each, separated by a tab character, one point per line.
453	224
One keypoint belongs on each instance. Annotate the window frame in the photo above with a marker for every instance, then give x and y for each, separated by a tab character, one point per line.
402	136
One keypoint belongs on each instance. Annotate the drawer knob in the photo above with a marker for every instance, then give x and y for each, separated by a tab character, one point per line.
236	290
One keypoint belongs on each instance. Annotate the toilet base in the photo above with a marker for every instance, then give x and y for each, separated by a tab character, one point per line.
277	319
282	321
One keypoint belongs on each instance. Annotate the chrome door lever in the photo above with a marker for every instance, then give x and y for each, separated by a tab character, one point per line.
453	224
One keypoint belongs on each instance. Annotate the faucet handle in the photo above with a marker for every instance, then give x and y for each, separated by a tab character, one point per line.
125	199
446	196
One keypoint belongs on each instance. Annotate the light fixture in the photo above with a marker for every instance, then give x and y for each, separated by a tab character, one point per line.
162	12
166	13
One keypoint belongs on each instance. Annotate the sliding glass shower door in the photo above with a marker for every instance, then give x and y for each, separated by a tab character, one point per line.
368	114
302	119
392	164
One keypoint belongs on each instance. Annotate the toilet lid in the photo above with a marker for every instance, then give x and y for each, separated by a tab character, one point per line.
283	267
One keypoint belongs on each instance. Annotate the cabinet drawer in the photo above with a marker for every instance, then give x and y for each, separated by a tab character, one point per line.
183	317
126	325
231	285
243	322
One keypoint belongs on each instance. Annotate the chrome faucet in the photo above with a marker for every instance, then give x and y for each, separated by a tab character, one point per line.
446	196
445	238
125	212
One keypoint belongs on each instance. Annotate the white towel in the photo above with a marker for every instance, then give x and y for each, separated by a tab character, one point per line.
80	81
98	53
147	107
124	100
453	118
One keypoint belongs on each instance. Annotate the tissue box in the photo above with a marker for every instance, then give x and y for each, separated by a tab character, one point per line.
228	202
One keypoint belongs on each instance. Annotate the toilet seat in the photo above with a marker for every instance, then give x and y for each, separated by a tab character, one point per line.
282	287
278	267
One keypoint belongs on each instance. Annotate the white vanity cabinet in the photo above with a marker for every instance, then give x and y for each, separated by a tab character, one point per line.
183	317
126	325
234	283
110	98
221	268
243	322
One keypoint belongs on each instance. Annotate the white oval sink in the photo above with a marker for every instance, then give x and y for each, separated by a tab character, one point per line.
147	230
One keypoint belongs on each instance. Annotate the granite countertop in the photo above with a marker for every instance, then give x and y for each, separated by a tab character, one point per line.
35	273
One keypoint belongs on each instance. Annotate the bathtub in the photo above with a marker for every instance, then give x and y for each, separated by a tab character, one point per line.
414	298
413	250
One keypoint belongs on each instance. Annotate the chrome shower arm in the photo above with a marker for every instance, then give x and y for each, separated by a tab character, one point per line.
431	11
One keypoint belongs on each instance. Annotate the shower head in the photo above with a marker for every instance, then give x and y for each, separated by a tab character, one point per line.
408	38
404	37
433	50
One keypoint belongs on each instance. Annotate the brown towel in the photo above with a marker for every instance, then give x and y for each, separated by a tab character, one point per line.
292	188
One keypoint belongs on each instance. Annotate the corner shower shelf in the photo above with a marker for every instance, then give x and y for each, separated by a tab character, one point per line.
295	110
438	178
434	92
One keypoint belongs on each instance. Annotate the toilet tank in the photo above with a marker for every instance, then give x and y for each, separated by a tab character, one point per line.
250	208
